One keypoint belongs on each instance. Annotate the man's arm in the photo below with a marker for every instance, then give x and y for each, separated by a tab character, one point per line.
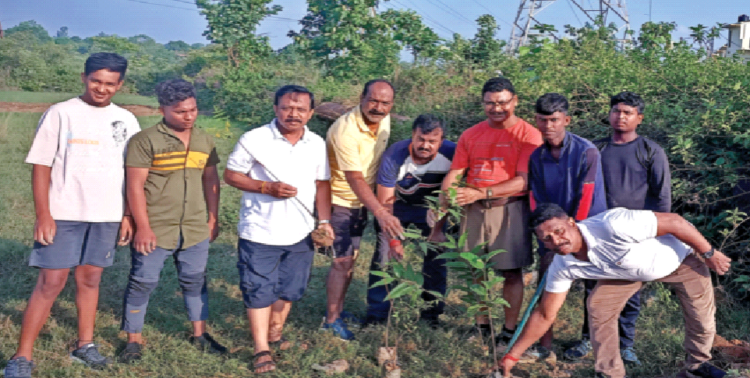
323	205
660	184
145	239
540	321
587	186
211	192
361	189
670	223
507	188
44	227
243	182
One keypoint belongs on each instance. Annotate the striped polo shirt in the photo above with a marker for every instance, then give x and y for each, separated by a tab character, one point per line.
174	187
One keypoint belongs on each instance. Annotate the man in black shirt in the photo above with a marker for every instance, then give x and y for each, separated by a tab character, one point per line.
636	177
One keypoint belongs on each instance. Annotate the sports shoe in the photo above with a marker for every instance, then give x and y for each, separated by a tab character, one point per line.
339	329
131	353
503	339
706	370
534	354
19	368
579	350
206	343
629	357
350	319
89	355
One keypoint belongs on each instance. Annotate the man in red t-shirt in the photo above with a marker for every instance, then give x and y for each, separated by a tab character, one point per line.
493	157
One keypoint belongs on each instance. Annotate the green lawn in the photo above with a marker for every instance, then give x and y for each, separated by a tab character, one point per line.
53	97
424	353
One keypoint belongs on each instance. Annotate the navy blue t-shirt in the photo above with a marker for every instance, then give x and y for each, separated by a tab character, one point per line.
414	182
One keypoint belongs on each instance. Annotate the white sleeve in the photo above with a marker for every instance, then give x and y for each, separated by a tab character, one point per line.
241	160
324	169
47	139
632	226
558	279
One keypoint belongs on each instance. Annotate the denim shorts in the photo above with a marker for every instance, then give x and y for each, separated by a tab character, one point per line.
349	226
77	243
272	272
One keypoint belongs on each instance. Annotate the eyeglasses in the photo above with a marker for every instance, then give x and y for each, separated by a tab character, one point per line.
502	104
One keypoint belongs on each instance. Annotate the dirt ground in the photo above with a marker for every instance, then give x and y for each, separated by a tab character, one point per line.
21	107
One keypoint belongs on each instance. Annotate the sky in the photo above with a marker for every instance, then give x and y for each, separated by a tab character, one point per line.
168	20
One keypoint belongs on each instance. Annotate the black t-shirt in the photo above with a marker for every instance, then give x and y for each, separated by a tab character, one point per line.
636	175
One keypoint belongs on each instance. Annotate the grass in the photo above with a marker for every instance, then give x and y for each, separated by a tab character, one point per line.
53	97
424	353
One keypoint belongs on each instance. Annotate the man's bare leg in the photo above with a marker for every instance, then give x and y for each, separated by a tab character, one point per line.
48	286
87	278
199	328
259	319
513	294
337	283
279	312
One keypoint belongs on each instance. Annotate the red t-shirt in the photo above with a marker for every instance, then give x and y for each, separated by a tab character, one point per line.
495	155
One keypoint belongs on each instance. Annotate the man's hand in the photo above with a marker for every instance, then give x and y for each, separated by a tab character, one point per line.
126	230
396	252
467	196
437	236
45	229
145	241
506	365
390	224
432	218
280	190
213	228
719	263
329	230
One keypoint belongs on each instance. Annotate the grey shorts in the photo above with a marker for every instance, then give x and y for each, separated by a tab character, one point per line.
349	226
503	227
77	243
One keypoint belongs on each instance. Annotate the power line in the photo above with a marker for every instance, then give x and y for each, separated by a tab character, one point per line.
451	10
490	12
425	16
574	12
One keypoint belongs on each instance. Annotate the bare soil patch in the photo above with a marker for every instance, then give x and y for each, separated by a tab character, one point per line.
22	107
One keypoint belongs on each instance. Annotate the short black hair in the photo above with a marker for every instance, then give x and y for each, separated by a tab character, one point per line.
174	91
366	89
498	84
293	89
106	61
629	99
545	212
427	123
550	103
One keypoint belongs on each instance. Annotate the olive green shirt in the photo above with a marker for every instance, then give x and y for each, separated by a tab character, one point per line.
175	199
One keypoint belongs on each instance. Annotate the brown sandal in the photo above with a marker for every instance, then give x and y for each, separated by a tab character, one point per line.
257	365
281	344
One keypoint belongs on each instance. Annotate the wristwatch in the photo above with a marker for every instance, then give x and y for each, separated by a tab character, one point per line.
489	193
709	254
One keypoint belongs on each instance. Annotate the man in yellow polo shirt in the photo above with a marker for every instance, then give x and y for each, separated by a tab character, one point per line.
355	144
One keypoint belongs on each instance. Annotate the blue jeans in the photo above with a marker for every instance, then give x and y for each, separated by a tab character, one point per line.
144	277
434	269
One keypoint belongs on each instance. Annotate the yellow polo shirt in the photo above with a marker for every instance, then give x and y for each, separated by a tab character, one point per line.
353	147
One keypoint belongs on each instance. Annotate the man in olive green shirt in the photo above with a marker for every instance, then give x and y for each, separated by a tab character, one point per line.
173	195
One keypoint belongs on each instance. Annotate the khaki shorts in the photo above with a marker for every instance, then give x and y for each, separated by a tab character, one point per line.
502	227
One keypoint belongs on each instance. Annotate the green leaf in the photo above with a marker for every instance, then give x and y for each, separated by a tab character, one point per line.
380	273
399	291
449	255
383	282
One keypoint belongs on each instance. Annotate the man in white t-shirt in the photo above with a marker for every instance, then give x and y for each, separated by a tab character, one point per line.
78	176
282	169
623	248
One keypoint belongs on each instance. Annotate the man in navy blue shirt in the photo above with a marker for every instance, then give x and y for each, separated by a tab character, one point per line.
565	170
637	177
411	170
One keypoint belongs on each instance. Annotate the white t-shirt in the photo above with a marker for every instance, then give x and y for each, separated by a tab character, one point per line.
263	218
85	146
622	246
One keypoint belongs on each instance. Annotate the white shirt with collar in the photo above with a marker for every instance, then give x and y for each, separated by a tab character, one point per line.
265	154
622	245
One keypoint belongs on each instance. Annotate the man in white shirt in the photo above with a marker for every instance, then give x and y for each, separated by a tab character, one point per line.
623	248
78	158
282	168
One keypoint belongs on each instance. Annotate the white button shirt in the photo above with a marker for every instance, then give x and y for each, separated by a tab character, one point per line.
622	246
265	154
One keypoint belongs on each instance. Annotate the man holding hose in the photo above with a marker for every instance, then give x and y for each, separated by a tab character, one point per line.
623	248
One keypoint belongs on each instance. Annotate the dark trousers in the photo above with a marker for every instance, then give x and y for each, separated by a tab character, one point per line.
434	269
627	319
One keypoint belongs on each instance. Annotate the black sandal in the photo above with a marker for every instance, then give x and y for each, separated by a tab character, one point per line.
257	365
281	344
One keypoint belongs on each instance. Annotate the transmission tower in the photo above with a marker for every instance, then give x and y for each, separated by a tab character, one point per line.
610	11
